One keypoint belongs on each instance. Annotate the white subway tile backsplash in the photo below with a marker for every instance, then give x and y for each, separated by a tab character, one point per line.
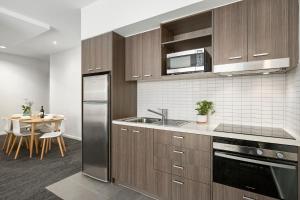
262	100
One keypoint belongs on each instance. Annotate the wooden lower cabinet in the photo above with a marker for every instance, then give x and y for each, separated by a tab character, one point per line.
147	162
222	192
163	185
132	157
186	189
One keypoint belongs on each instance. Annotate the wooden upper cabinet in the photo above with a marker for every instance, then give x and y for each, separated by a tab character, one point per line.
151	54
230	33
97	54
103	52
88	56
143	56
85	56
268	29
253	30
133	57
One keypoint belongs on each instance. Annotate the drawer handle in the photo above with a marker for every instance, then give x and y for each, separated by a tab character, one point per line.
178	137
123	129
235	58
247	198
178	167
147	75
260	54
135	76
90	69
98	67
178	182
180	152
135	131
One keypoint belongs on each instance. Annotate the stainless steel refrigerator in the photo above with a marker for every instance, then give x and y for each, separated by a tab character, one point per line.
96	126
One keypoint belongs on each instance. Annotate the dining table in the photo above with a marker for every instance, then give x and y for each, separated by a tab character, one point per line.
33	122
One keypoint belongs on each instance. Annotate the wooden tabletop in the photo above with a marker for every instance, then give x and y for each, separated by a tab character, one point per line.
36	119
42	120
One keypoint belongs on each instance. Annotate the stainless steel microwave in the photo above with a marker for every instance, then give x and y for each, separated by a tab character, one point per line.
195	60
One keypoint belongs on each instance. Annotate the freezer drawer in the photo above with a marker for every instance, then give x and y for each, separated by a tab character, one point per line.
95	140
95	88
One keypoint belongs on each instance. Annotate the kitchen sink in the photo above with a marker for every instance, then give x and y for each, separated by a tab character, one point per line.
157	121
144	120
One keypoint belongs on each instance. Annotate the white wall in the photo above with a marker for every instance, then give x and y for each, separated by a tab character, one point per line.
22	78
292	111
107	15
65	89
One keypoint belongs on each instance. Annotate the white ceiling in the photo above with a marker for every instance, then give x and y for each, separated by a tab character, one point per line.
29	27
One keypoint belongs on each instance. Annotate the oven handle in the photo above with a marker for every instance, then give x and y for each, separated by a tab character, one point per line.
271	164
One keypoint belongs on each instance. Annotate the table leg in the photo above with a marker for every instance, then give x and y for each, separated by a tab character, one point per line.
32	139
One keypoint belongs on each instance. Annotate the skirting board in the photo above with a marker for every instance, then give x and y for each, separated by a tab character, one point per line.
72	137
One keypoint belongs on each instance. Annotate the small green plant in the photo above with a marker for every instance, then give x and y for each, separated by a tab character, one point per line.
27	107
204	107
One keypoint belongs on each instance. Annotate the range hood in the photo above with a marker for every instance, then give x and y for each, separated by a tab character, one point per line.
253	67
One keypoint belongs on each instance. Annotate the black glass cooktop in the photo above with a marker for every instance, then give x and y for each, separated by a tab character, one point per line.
254	130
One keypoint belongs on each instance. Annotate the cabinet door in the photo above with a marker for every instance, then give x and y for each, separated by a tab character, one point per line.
85	54
197	166
133	56
151	55
139	157
103	52
163	185
162	158
123	155
268	29
230	33
88	56
185	189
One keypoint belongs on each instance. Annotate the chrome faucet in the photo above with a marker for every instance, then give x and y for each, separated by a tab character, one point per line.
163	114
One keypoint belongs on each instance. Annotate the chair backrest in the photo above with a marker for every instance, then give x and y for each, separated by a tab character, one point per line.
16	127
7	125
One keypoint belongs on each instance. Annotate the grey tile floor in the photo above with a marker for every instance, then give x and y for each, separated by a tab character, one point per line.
78	187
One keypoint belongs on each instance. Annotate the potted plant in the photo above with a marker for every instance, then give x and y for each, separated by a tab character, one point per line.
204	108
27	108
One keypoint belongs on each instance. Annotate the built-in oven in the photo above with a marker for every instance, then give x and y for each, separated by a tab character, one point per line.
189	61
263	168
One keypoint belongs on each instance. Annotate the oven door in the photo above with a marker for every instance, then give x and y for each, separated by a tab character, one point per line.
269	177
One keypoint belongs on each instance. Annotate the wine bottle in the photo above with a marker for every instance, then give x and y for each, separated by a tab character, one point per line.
42	112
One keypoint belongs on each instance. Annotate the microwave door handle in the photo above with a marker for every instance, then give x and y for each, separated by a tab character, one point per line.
249	160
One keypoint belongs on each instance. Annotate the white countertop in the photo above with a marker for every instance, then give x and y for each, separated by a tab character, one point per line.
202	129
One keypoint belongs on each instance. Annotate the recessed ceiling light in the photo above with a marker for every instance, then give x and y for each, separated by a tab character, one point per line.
2	47
54	42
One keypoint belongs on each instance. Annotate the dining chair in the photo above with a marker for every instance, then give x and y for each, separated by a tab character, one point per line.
8	134
19	134
47	140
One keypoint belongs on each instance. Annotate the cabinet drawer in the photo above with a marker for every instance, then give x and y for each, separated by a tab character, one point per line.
223	192
192	141
184	189
178	169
